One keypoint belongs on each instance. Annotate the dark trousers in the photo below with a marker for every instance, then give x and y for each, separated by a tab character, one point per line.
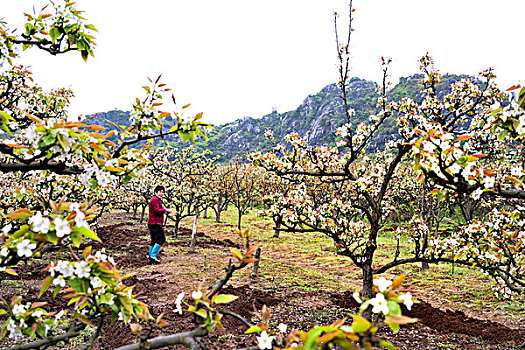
157	235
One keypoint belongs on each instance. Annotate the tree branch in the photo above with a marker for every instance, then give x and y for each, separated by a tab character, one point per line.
189	339
72	332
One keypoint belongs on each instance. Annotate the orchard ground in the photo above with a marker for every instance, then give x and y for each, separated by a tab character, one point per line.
301	280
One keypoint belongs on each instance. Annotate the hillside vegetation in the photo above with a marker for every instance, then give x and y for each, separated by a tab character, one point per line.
316	119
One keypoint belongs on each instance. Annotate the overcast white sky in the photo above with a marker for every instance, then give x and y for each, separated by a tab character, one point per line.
235	58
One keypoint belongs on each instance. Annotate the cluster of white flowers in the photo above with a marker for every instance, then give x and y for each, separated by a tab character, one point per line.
141	118
22	313
344	130
64	13
40	223
101	256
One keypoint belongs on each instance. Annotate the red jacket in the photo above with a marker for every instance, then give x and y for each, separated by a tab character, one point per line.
156	212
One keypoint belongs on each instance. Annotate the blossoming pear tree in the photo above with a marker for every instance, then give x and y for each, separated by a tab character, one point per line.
59	165
461	141
186	175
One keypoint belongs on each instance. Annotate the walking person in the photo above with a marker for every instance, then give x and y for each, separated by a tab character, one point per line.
155	222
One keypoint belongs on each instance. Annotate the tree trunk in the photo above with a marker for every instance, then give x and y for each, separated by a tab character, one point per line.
239	219
368	283
277	229
194	231
176	232
218	216
142	214
205	213
255	267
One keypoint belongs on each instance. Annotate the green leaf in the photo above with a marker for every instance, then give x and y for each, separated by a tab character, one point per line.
86	232
360	324
174	128
57	290
92	27
76	238
387	345
76	284
54	33
394	327
28	27
81	44
51	237
184	136
202	313
41	331
236	253
48	140
393	308
502	134
23	214
521	99
253	329
224	298
45	284
345	344
126	303
312	335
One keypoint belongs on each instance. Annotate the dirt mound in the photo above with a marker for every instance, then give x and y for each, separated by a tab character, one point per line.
457	322
446	321
250	300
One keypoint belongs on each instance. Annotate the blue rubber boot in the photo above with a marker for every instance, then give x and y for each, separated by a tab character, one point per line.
154	253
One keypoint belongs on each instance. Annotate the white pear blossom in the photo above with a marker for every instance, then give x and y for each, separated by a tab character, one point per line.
407	300
59	315
4	252
357	298
19	309
196	295
382	283
264	341
80	219
455	168
25	248
178	303
82	269
489	182
37	313
40	224
379	304
282	327
6	229
477	193
14	331
74	207
59	281
96	282
516	171
62	227
67	270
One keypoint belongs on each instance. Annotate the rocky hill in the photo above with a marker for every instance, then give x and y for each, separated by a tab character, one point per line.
316	119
